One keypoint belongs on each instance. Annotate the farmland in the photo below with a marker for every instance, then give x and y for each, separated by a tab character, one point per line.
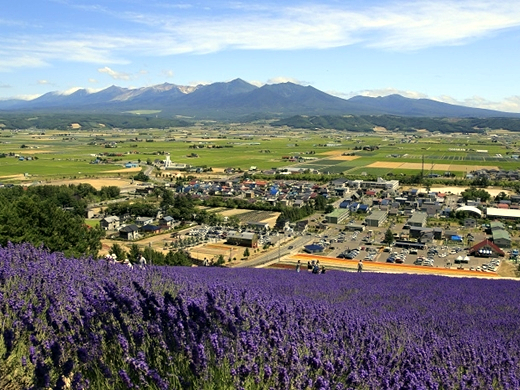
36	155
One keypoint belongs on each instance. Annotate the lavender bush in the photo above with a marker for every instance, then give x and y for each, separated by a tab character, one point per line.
86	324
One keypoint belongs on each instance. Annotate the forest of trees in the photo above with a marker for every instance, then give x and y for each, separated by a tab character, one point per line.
29	216
366	123
86	121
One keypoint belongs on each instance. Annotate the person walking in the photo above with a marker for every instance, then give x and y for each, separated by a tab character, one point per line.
298	266
142	261
360	266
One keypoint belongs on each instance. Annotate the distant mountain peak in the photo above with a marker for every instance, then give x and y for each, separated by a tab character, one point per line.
238	98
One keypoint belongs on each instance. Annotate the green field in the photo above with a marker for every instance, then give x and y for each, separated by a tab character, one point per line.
59	154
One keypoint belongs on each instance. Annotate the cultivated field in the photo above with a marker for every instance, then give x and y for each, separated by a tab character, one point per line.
32	156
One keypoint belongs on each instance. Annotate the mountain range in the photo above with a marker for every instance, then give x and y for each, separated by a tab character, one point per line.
238	99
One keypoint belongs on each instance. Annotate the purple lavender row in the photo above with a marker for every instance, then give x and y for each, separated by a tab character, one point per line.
83	323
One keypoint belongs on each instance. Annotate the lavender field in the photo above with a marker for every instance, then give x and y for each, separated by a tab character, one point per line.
85	324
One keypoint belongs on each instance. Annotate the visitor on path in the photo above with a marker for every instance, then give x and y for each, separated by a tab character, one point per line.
316	269
298	266
309	266
322	269
360	266
142	261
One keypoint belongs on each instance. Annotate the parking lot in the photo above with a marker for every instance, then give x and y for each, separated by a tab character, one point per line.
367	246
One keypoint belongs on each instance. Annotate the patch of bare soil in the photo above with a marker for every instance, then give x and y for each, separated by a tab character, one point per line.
345	158
380	129
507	269
96	183
135	169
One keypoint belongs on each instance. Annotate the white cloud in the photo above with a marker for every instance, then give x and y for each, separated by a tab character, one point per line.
115	75
167	73
278	80
92	81
380	92
397	25
509	104
24	97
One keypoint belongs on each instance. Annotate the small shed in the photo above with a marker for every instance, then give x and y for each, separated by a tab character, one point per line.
313	248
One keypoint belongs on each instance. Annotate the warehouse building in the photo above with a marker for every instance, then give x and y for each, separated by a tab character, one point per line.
502	238
246	239
377	218
337	216
497	213
418	219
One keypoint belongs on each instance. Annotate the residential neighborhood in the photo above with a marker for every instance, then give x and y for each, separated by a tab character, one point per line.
418	219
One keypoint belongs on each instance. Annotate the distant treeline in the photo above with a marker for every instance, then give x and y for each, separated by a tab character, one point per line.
86	121
366	123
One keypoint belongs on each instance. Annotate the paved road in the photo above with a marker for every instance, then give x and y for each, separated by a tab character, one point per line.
277	252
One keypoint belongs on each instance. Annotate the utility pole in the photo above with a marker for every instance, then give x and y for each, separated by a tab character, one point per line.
422	171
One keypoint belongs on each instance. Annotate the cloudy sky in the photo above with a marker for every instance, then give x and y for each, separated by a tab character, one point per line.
457	51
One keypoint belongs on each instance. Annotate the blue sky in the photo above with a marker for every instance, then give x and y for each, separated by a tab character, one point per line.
457	51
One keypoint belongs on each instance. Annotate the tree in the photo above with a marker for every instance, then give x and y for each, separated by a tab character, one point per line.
117	250
135	252
320	202
220	260
473	193
246	253
141	177
389	237
329	209
41	222
179	258
501	196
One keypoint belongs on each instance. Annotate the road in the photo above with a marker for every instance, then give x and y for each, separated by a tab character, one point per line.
277	252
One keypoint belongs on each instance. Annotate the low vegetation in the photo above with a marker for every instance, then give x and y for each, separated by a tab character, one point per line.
106	326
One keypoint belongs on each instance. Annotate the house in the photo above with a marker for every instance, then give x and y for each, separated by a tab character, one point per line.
166	222
344	204
129	232
149	228
301	226
110	223
258	226
142	221
298	203
470	223
364	208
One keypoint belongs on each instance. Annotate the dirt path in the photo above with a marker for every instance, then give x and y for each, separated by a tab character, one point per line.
390	268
